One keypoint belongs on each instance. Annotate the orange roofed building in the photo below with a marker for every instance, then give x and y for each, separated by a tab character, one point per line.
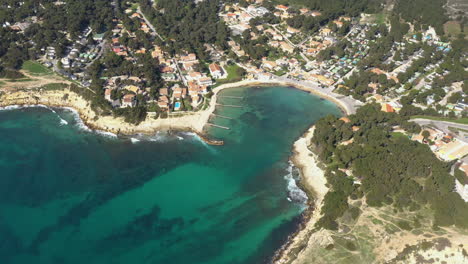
282	7
345	119
129	100
388	108
378	71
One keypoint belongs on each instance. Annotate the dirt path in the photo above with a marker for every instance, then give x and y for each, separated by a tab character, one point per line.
31	81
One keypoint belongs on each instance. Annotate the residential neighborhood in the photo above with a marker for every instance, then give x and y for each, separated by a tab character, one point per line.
310	131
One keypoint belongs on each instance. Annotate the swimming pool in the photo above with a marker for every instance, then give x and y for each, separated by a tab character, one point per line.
177	105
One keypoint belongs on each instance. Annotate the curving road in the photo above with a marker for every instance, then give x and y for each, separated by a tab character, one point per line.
444	126
154	33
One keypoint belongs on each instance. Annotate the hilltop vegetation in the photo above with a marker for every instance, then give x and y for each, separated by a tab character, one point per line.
392	170
423	13
186	25
59	23
337	7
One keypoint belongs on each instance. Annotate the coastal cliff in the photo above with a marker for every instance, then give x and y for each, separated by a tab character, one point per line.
116	125
194	121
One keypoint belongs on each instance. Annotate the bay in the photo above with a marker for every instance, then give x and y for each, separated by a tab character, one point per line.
68	195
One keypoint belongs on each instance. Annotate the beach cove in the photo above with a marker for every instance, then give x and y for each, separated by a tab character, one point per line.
187	121
281	212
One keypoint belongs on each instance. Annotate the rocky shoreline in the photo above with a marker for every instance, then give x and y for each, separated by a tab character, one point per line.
193	122
314	184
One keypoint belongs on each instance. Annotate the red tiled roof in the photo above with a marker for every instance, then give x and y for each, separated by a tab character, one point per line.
215	67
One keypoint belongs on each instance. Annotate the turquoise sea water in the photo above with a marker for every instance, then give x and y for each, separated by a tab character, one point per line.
68	195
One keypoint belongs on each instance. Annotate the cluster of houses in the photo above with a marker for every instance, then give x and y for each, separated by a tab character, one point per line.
77	56
184	82
283	37
285	12
424	84
182	78
198	82
462	188
238	18
337	67
445	146
21	26
119	29
185	79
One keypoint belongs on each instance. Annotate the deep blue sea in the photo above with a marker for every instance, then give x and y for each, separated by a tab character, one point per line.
69	195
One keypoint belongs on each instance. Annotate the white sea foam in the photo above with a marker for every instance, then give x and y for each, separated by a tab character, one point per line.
106	134
16	107
196	137
134	140
79	123
295	194
63	122
158	137
191	135
52	110
11	107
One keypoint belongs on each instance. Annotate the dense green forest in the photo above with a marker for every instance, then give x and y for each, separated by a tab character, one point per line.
187	26
392	169
423	13
336	7
59	24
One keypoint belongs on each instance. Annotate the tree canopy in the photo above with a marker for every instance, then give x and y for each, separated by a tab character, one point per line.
392	170
187	26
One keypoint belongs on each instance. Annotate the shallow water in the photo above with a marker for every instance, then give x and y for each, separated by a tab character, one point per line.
68	195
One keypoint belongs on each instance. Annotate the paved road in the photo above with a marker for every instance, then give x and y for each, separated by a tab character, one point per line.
444	126
179	71
102	47
457	88
350	103
154	33
290	43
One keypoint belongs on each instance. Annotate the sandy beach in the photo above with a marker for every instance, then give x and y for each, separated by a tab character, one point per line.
346	104
187	121
314	181
313	176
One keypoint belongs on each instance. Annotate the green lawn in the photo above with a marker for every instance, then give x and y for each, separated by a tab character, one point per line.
452	28
54	86
379	18
22	80
463	120
398	135
134	6
280	72
35	68
233	75
456	129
